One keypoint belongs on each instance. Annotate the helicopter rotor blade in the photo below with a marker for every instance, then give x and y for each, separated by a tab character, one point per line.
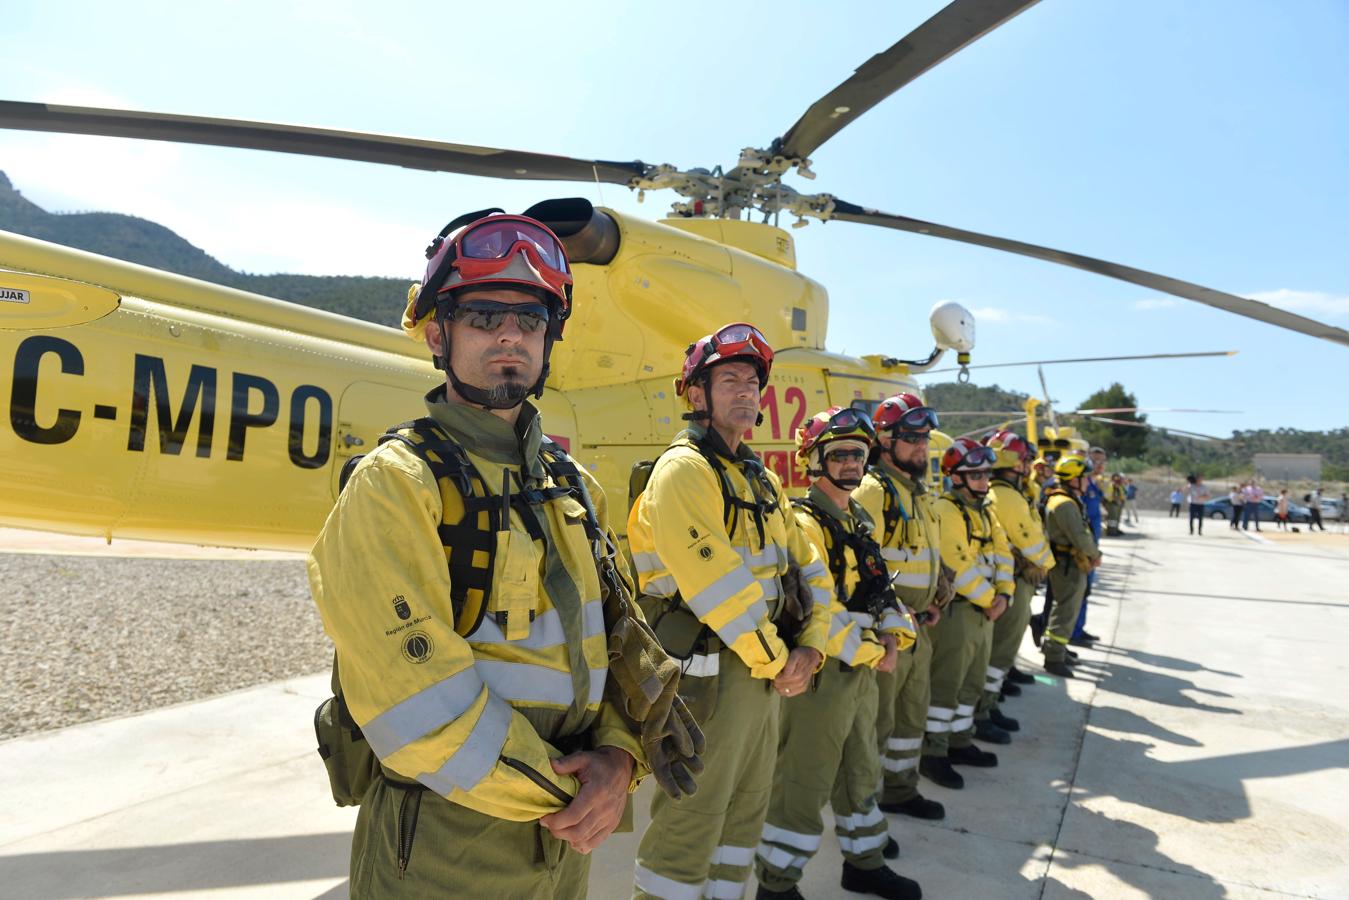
1242	306
953	28
1049	404
1090	359
1147	409
411	153
1165	430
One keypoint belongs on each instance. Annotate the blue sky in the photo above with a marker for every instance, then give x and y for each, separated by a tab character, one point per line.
1205	140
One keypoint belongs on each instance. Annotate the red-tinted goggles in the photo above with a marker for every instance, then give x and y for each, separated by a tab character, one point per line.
978	458
733	339
916	418
498	238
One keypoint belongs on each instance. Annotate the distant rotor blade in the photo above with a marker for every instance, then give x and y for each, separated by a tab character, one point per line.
1242	306
1180	431
1090	359
1147	409
411	153
1049	404
951	29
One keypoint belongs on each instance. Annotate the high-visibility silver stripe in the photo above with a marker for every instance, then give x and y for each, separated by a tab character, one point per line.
721	889
661	586
646	562
796	839
902	744
899	765
906	579
851	644
964	724
893	621
780	859
864	844
545	631
965	709
701	665
719	591
945	713
814	569
964	578
821	596
872	816
477	755
1034	550
935	726
978	589
742	624
728	855
861	619
904	554
524	683
1002	560
772	555
770	587
423	712
986	569
992	684
665	888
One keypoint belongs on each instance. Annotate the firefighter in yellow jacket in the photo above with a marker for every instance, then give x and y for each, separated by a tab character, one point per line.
1075	556
894	495
1031	562
712	536
480	680
975	547
827	747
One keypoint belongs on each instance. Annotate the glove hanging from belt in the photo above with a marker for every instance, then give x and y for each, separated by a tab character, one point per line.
644	687
946	587
1027	571
797	605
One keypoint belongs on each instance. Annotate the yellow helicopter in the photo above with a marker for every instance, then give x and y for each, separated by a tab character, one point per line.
147	405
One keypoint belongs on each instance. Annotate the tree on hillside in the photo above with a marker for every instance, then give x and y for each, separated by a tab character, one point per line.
1118	440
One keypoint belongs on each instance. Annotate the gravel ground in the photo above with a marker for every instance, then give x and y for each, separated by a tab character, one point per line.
86	638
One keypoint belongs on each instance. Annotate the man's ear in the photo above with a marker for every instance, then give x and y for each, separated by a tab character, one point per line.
435	338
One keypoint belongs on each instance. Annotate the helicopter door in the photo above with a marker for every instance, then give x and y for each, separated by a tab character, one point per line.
366	411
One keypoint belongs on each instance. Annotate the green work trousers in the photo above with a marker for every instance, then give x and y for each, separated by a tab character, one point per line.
412	843
703	845
901	718
1008	632
964	637
826	754
1070	584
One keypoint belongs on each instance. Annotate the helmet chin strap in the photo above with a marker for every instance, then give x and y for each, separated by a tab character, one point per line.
481	396
849	484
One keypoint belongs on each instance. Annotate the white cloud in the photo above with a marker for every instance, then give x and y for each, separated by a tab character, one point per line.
1001	316
1155	303
1309	302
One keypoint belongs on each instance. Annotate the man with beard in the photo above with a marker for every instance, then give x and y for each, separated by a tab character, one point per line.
474	657
713	538
894	495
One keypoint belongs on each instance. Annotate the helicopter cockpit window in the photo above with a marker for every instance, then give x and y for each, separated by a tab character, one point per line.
867	406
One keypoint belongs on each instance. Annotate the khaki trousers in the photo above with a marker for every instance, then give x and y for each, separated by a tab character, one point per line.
1008	632
1069	584
901	718
964	637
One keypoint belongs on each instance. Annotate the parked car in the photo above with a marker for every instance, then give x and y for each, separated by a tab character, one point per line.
1222	509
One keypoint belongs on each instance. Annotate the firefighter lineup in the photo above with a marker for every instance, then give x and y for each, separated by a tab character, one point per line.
505	677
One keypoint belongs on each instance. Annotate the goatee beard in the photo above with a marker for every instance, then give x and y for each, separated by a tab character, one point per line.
510	393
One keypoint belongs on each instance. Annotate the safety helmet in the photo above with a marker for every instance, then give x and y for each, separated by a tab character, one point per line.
1070	467
966	455
738	341
903	412
489	248
1008	449
836	423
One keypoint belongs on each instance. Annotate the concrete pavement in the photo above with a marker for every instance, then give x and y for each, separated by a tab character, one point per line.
1203	753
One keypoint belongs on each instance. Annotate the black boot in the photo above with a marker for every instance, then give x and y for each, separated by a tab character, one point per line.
938	769
1037	627
972	756
1016	676
918	807
1083	641
891	850
1005	722
1072	655
790	894
1060	669
882	882
986	731
1010	689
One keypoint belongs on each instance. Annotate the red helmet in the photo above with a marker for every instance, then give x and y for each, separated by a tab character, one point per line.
966	455
738	341
490	248
1008	449
836	423
903	412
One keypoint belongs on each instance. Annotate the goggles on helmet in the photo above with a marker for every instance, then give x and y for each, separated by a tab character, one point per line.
965	455
835	424
489	315
904	412
738	340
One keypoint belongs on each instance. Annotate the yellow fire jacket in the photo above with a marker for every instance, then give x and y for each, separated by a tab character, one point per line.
912	549
852	635
1025	531
1066	527
730	578
475	719
974	545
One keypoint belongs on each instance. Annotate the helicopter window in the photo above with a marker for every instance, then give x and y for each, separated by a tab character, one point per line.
867	406
798	319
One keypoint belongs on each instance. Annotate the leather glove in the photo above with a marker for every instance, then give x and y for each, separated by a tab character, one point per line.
1035	575
674	752
798	604
946	590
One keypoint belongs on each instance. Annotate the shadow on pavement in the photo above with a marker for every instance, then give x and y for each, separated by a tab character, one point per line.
1154	687
1112	718
1163	661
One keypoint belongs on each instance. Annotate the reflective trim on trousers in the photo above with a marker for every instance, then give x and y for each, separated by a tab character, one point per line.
965	720
993	678
939	718
727	855
899	765
720	889
718	592
701	665
899	745
857	821
477	755
807	843
545	631
423	712
864	844
665	888
524	683
780	859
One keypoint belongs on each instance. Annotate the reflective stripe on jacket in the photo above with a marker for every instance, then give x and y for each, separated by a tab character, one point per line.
731	582
974	545
913	550
474	718
1025	531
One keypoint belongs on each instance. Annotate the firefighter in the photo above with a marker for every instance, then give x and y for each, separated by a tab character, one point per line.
974	546
712	538
894	495
1075	556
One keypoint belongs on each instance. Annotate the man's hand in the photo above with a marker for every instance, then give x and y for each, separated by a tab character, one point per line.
887	663
795	675
999	607
589	819
933	613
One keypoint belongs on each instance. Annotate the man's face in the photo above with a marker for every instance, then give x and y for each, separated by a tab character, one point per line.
505	361
734	387
846	465
910	450
1098	462
976	482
